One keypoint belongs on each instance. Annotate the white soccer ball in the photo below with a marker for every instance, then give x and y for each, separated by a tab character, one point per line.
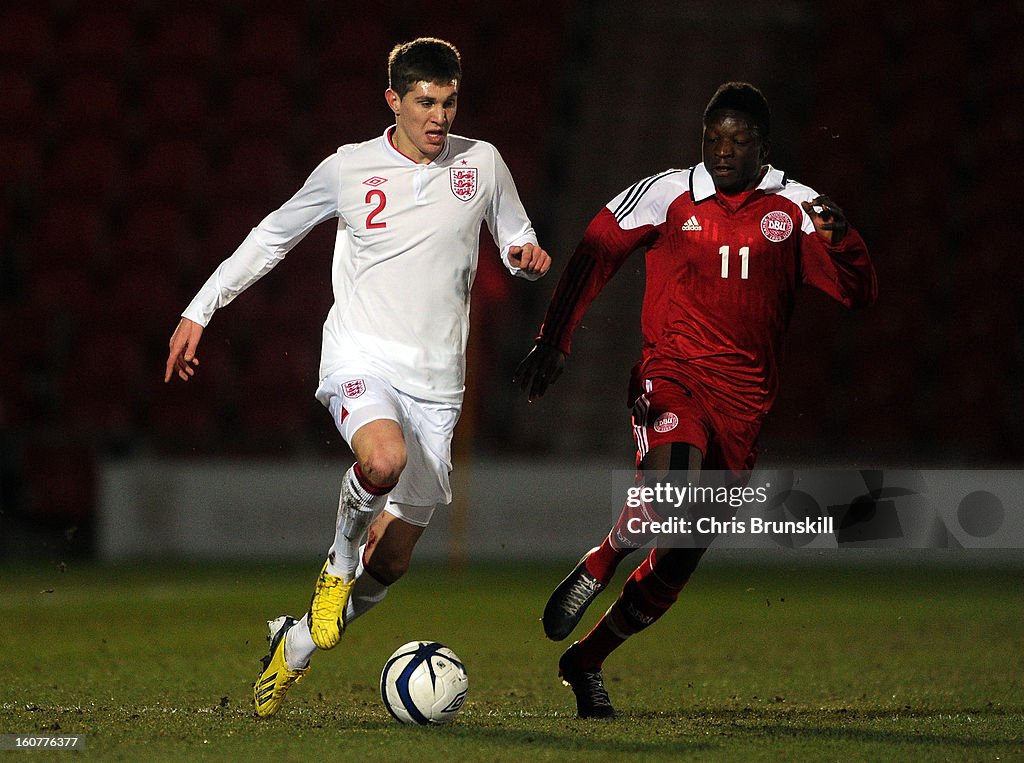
423	682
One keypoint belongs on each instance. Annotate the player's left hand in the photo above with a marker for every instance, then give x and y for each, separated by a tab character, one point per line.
829	220
529	258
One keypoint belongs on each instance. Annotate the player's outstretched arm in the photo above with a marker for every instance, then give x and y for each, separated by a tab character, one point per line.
182	357
540	368
529	258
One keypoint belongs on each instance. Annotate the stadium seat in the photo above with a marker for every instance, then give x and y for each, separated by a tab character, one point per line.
351	44
20	162
102	383
22	113
88	160
534	47
267	43
99	38
256	171
146	296
26	38
175	105
29	349
274	390
59	480
187	39
346	110
153	233
71	232
283	364
90	100
229	226
181	423
260	106
886	406
174	170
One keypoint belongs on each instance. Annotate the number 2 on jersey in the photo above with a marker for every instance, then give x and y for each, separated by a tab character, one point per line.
744	261
381	201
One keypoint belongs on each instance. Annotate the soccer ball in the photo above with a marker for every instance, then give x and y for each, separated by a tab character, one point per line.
423	682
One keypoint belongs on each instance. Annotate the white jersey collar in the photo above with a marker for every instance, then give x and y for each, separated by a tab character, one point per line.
391	150
702	185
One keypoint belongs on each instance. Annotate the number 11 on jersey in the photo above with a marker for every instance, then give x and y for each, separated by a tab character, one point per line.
744	261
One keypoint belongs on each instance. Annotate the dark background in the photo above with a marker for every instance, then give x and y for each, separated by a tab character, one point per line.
140	141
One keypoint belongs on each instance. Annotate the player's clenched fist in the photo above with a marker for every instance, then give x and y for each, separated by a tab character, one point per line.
529	258
182	357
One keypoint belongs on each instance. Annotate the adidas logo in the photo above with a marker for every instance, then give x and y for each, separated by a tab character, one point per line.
691	224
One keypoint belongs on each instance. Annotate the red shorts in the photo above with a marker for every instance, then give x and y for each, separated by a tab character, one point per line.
667	412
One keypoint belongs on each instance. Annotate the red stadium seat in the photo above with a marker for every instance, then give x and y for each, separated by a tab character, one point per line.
101	385
68	290
256	172
886	402
260	106
20	160
267	43
175	105
92	161
283	364
91	100
60	480
180	422
351	45
275	393
147	297
99	38
153	232
69	233
230	225
346	110
28	346
26	38
187	40
172	169
22	112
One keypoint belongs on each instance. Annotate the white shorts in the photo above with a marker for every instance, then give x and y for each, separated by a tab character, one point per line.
355	399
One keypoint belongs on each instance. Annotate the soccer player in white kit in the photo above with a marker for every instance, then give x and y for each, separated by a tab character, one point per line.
409	206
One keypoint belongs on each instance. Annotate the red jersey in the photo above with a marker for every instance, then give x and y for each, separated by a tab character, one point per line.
722	274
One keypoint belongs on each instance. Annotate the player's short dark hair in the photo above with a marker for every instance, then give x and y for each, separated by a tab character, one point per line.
425	59
744	97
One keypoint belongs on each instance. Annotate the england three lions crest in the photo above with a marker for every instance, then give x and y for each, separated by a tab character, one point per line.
463	182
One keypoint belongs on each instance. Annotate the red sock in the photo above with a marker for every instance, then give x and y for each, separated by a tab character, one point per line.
598	644
626	536
645	597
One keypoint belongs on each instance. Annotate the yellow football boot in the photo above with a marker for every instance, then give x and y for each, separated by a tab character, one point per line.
327	609
275	680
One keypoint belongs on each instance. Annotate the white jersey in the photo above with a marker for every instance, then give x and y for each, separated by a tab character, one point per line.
404	259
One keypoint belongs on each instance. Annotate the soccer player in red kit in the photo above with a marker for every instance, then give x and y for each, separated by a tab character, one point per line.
727	242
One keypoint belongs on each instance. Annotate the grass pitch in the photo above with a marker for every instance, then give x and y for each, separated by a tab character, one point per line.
785	661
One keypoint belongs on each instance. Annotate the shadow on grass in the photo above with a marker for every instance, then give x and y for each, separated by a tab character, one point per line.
855	724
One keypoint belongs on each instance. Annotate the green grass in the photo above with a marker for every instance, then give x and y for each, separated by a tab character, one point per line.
755	663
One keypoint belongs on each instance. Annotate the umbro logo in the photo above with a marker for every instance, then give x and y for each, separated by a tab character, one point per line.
375	181
692	224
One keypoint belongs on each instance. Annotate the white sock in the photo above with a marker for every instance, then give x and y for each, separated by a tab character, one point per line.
356	508
298	645
367	592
